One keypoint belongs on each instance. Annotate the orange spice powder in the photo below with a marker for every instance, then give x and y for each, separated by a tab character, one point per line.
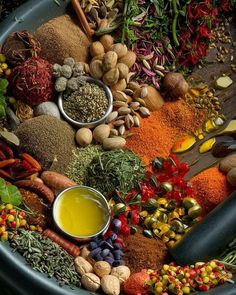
157	133
210	188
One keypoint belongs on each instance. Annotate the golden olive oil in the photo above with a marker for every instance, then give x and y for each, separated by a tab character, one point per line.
80	212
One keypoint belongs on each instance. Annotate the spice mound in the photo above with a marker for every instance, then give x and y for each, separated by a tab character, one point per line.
48	140
157	134
62	37
40	212
31	81
143	253
20	46
88	104
210	188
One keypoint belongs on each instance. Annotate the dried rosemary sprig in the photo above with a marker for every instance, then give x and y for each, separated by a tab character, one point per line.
117	170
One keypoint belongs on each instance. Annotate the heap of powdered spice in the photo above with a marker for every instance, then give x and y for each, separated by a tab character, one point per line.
210	188
142	253
157	134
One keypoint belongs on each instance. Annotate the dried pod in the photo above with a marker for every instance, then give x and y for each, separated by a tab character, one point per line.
144	92
129	121
96	48
114	132
118	123
123	70
120	85
133	85
123	111
119	104
101	132
113	116
146	64
135	105
120	49
121	130
144	112
109	60
111	77
120	96
95	69
114	143
141	101
136	121
129	91
129	59
107	42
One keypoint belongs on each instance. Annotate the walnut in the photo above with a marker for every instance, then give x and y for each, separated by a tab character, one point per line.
91	282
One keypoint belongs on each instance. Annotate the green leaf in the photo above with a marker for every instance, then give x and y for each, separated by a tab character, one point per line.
2	111
9	193
3	85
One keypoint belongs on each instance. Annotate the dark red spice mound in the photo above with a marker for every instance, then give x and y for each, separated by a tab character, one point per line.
31	81
143	253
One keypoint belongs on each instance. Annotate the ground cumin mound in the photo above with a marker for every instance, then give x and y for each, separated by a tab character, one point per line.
157	133
49	140
143	253
62	37
210	188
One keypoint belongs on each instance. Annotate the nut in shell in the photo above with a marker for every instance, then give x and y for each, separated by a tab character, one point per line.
122	272
84	252
119	104
101	132
114	143
112	117
129	91
82	266
129	121
141	101
135	105
118	123
102	268
144	92
120	96
111	77
122	130
110	285
109	61
136	121
114	132
91	282
133	85
123	111
95	69
144	112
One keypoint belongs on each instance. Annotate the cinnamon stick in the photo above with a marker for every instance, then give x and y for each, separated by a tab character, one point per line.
83	20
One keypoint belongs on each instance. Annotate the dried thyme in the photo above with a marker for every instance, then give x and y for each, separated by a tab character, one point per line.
81	159
87	104
117	170
46	257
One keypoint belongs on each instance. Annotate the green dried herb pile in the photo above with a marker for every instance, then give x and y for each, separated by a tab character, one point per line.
115	171
46	257
82	157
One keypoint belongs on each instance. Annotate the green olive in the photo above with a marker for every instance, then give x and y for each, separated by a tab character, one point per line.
163	217
147	233
119	208
177	226
189	203
195	211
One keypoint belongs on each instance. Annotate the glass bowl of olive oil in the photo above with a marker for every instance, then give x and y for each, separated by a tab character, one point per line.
81	213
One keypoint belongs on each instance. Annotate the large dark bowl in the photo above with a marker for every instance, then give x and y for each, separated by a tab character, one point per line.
13	268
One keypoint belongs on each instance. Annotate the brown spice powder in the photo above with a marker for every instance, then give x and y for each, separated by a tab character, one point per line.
62	37
49	140
143	253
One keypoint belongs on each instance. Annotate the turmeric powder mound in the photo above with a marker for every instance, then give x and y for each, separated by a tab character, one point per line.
210	188
157	134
